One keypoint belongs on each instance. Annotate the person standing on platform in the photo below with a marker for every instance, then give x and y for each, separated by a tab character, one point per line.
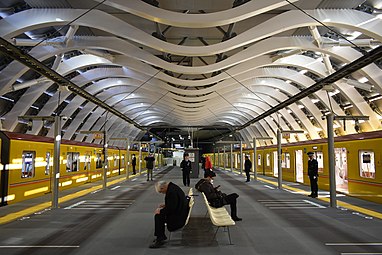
313	174
134	163
150	166
185	165
203	162
207	166
173	212
247	168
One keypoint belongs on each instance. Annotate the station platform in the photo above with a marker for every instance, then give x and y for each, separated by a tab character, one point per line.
119	220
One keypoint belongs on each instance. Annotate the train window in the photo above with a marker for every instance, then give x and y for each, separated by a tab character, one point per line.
285	160
320	161
72	161
366	164
259	159
27	169
87	162
47	160
123	160
115	160
268	160
98	160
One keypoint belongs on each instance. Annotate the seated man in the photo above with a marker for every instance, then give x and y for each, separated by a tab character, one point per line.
215	197
173	212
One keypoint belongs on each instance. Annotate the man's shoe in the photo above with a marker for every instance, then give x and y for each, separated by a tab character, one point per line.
236	219
157	244
311	195
160	239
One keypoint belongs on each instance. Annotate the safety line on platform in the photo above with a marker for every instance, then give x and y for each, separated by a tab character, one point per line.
38	246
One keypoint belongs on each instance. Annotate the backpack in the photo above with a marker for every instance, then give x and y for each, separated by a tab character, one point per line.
199	183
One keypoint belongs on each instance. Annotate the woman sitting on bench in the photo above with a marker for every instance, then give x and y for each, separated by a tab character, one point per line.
215	197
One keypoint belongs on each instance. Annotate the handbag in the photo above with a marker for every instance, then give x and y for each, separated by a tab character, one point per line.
219	201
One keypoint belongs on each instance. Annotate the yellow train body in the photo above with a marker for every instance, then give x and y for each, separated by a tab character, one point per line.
358	163
30	167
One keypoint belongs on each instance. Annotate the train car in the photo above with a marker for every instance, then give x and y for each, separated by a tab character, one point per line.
27	165
358	163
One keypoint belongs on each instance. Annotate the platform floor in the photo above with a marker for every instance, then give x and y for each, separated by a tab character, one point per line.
119	220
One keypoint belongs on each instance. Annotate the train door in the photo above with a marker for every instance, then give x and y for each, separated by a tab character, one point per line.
87	164
299	166
341	169
275	164
49	167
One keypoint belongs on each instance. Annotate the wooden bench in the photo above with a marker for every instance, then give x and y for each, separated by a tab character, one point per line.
219	217
191	205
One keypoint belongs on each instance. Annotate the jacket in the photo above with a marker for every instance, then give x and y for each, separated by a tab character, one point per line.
176	207
186	166
247	165
150	162
134	161
313	168
206	187
208	164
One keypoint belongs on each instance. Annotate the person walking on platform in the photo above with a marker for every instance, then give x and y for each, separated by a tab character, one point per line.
247	168
173	212
185	165
134	163
215	197
313	174
150	166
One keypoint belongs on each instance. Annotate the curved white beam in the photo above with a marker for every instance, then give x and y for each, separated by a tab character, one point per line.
38	18
176	19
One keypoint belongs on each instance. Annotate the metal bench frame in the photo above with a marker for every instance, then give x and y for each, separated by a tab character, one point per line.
219	217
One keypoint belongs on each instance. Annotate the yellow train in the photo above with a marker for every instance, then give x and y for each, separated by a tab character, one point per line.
27	164
358	166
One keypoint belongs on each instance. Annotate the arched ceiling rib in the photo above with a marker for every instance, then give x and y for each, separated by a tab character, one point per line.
171	18
265	55
36	18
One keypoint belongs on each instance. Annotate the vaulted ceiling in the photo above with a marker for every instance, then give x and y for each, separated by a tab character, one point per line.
194	66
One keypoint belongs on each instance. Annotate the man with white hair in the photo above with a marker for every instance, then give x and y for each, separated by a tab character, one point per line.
173	212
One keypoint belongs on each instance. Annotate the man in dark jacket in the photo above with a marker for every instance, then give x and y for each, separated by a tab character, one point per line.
215	197
173	212
185	165
150	166
313	174
134	163
247	168
203	160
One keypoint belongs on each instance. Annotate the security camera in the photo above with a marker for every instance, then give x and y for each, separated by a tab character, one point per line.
357	127
30	125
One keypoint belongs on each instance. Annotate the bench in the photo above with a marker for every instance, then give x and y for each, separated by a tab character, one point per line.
219	217
191	205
